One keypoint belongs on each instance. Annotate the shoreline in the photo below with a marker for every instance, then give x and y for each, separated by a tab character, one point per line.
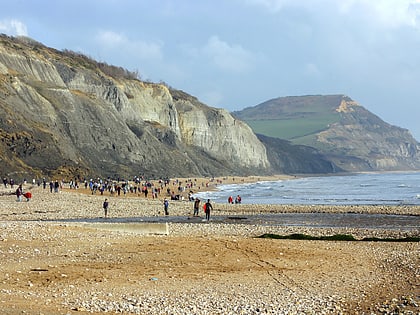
81	203
203	184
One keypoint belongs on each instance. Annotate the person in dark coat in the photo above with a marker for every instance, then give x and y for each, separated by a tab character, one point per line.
166	206
105	206
208	208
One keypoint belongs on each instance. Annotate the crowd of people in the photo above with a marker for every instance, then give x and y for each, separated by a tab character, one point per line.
173	190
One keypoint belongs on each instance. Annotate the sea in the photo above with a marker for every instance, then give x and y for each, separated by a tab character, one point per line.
394	188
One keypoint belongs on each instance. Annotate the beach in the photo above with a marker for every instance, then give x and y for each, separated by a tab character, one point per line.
56	258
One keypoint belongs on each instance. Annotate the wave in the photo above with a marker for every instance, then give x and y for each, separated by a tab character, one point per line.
381	189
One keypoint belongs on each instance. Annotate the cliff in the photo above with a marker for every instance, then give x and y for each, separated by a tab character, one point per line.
363	141
341	130
62	113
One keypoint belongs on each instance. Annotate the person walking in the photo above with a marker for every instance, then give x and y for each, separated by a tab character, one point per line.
56	186
105	206
196	206
166	206
208	208
19	193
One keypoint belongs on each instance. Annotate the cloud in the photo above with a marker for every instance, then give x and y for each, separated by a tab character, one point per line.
231	58
271	5
13	27
383	13
110	40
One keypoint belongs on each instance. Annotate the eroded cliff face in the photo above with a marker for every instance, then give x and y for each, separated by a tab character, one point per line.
216	130
343	132
60	113
362	141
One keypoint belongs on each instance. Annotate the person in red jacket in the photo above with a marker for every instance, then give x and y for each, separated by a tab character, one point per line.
230	199
28	195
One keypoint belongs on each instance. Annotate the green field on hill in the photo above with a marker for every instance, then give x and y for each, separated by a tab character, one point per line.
297	130
297	119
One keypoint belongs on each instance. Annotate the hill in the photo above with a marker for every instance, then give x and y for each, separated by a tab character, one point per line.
63	114
340	129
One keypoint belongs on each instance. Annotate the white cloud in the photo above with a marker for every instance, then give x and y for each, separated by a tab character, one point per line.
13	27
383	13
388	13
111	39
229	57
141	49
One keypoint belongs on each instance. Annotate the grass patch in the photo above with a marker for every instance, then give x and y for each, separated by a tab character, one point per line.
290	129
337	237
299	130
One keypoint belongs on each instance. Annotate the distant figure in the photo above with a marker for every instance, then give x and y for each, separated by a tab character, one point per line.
19	193
238	199
230	199
166	206
105	206
196	206
207	209
56	186
28	196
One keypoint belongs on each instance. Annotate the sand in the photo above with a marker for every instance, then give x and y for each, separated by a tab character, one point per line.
53	262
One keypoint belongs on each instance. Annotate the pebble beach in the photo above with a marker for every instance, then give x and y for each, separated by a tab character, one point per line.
53	263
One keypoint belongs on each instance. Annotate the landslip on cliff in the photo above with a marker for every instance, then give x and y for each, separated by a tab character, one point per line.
62	113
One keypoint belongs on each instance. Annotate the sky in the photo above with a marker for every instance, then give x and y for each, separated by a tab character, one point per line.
235	54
